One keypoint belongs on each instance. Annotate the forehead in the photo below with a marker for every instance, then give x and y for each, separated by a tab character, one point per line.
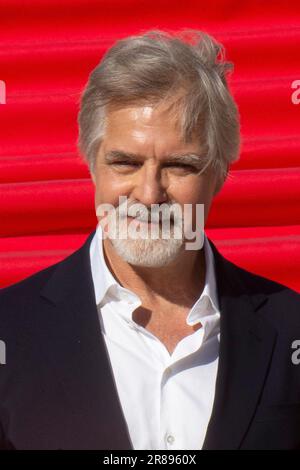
142	115
146	124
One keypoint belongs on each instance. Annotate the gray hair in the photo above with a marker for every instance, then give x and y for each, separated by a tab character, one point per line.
151	68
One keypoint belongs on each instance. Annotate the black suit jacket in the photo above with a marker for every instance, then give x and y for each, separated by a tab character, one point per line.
57	389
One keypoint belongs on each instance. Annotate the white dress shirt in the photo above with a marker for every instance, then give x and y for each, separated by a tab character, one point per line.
166	398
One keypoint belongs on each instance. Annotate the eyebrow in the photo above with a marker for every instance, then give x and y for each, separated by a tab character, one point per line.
187	158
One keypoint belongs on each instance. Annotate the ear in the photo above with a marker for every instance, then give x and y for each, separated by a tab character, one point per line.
220	182
218	187
93	169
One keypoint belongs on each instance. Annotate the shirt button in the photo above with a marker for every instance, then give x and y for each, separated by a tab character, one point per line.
170	439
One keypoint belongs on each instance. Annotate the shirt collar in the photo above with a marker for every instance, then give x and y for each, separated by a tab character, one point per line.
104	281
102	277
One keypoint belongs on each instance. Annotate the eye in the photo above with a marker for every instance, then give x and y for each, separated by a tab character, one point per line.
182	167
125	164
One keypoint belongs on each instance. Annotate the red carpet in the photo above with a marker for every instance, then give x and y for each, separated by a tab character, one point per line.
47	50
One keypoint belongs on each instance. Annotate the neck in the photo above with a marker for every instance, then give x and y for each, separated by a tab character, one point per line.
180	282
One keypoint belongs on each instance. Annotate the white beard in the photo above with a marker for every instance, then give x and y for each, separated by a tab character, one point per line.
151	253
146	252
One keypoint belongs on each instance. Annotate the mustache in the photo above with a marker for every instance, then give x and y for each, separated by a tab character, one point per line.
141	213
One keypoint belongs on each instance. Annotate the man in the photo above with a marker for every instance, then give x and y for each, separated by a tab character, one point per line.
142	343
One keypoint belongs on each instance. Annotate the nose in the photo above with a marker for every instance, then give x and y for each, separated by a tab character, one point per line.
150	187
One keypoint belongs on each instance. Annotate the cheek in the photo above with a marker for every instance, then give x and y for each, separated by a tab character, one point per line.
193	190
199	191
206	197
109	187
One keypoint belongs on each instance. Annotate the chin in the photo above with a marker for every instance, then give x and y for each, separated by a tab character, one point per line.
148	253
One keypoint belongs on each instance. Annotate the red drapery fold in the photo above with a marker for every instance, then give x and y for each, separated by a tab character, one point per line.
47	50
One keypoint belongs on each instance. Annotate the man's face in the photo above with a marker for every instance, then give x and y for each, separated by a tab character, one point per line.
136	160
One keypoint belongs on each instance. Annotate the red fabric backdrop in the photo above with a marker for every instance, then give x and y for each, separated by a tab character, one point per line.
48	48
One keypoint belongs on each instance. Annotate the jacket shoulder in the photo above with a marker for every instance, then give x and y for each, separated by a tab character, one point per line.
258	282
283	302
27	287
25	292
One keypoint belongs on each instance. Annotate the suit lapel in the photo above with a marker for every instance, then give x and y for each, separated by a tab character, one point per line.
81	363
246	346
77	352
